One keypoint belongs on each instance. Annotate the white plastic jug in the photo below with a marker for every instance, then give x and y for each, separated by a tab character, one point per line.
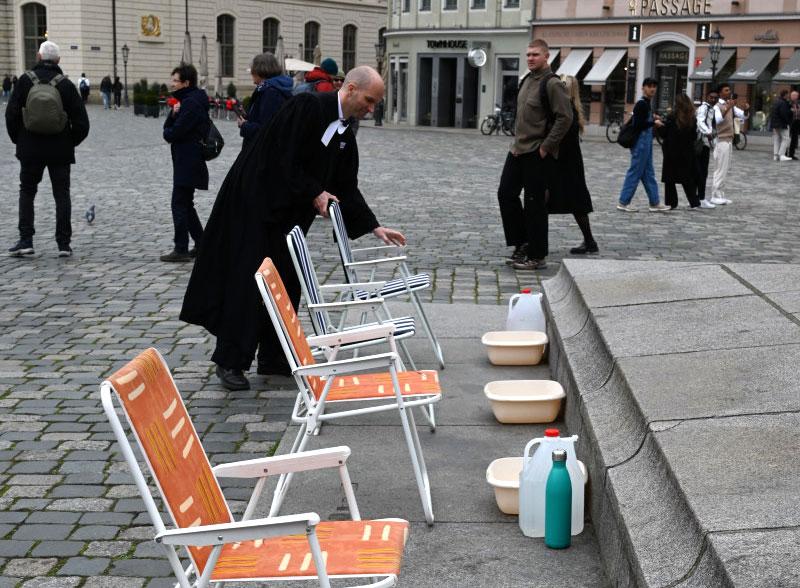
525	312
533	479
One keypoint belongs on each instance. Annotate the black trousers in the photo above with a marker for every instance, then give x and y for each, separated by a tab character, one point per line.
30	174
701	172
525	222
671	194
185	219
794	131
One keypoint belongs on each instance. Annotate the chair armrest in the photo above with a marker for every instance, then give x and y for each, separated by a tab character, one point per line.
331	457
368	286
349	366
378	248
370	304
380	260
297	524
357	335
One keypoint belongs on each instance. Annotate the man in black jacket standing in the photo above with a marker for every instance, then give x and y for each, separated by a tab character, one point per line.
185	129
52	150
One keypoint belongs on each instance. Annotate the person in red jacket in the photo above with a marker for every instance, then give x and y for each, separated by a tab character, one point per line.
322	75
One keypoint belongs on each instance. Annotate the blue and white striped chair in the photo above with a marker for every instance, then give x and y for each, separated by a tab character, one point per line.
407	284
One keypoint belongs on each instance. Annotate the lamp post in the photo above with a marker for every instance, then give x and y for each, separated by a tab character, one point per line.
125	52
114	34
715	45
379	56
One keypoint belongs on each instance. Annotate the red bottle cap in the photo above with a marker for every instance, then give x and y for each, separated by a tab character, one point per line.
525	291
551	433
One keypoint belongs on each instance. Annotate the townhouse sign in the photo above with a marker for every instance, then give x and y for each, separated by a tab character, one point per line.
447	44
669	7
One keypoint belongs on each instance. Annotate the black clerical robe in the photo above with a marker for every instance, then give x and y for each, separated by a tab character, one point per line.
270	188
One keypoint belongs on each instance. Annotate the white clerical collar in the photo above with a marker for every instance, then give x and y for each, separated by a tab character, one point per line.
337	126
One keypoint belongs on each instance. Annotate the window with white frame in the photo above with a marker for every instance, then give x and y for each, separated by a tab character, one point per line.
406	5
424	5
450	5
478	4
511	4
269	34
225	27
311	38
348	47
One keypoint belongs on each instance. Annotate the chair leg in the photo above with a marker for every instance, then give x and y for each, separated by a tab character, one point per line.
437	349
417	462
285	479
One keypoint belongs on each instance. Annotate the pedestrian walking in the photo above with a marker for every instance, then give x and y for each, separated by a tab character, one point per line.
6	87
724	112
568	193
706	137
116	88
84	85
544	116
105	91
641	167
14	81
794	130
273	88
46	119
305	158
679	135
780	121
319	79
187	125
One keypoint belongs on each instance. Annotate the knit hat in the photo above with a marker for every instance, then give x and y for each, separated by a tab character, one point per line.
329	66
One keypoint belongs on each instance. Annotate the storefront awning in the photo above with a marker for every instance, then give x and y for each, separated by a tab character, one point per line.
553	54
702	73
790	73
753	66
603	67
574	62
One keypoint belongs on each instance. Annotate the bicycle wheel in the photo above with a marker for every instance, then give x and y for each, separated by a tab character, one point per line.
508	128
487	126
612	131
740	142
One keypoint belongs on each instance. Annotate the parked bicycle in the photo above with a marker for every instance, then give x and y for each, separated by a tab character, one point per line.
615	120
500	120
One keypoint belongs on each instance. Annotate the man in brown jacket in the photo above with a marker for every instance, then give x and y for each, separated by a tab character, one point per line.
540	128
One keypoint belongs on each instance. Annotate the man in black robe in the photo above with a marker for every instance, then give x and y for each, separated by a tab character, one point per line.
289	173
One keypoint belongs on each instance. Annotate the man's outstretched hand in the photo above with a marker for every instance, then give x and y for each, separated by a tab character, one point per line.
389	236
321	203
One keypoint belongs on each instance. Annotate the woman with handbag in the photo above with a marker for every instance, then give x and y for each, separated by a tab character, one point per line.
679	135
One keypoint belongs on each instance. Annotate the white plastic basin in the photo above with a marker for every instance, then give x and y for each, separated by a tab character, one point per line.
515	347
524	401
503	475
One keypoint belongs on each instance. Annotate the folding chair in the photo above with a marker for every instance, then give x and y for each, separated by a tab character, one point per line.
293	547
407	283
387	387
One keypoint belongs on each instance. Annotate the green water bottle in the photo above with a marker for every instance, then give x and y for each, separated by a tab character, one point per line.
558	504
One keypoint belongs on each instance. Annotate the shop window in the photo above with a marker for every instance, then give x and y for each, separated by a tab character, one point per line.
225	23
478	4
511	4
34	29
269	35
311	38
450	5
424	5
348	47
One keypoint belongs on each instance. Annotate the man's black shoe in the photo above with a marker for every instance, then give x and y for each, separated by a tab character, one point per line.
584	248
232	379
23	247
176	256
519	255
272	369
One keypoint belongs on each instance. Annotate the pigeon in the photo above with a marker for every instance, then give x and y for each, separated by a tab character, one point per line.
90	214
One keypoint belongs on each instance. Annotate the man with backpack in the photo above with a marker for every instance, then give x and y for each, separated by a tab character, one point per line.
46	119
544	116
84	85
319	79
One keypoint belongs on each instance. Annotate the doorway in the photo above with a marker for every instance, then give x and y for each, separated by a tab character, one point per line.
671	63
447	93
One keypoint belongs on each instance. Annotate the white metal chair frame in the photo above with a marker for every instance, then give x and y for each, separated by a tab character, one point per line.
309	412
247	529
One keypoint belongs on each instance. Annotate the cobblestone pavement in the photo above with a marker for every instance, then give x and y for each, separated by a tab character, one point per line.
69	515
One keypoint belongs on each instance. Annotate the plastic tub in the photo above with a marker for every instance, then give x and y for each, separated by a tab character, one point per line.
524	401
503	475
515	347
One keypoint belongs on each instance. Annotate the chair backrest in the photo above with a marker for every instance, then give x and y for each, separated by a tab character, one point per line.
286	322
171	447
342	240
301	257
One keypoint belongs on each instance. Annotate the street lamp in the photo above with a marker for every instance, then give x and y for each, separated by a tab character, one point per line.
380	49
715	45
125	52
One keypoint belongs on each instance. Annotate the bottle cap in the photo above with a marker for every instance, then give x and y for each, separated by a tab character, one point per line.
551	433
525	291
559	455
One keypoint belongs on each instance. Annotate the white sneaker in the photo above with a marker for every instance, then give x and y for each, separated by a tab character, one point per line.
659	208
716	200
706	204
727	201
626	208
784	158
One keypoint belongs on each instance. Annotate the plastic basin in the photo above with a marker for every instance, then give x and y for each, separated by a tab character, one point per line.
515	347
503	475
524	401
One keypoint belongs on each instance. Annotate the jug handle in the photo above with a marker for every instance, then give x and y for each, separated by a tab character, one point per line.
526	453
511	301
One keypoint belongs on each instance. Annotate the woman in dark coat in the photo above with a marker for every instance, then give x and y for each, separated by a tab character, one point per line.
568	191
273	88
185	129
678	138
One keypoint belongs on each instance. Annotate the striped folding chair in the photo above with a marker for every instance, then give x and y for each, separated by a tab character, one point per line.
407	284
220	549
364	385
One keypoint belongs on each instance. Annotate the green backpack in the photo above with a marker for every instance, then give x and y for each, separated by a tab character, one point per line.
43	112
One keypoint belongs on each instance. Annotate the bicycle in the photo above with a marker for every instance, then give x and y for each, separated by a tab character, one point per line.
740	141
500	120
613	126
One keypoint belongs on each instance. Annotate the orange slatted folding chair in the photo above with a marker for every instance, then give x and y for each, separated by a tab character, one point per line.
377	382
220	549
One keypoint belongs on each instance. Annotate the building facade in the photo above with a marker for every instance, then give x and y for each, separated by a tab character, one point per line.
609	45
154	31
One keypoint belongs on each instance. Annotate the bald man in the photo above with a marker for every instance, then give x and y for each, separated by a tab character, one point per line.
286	176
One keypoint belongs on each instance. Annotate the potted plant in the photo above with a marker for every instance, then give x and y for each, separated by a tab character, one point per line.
139	95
